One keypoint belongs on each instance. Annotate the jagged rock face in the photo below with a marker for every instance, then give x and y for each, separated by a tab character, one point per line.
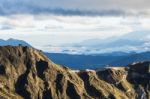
26	73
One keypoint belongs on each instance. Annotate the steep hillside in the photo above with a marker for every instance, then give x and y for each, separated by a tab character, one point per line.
25	73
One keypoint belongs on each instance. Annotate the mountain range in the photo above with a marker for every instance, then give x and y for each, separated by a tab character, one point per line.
137	41
99	60
90	61
26	73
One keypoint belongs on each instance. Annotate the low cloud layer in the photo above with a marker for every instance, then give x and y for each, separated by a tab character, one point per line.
42	30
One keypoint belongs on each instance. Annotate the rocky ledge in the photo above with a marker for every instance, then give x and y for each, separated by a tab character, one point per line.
25	73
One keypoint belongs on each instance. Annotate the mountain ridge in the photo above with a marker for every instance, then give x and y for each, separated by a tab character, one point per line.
89	61
26	73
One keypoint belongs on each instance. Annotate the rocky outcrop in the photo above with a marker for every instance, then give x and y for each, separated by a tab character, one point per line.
26	73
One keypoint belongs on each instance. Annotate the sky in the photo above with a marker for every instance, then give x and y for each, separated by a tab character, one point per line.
44	23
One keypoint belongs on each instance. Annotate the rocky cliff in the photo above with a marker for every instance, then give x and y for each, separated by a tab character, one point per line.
26	73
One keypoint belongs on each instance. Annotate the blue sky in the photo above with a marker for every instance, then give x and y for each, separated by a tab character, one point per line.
45	23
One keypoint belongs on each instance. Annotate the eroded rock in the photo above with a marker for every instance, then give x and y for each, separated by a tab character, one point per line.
25	73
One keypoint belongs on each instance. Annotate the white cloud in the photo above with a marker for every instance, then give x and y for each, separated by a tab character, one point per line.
44	30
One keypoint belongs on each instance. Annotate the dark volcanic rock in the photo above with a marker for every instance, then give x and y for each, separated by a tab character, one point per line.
25	73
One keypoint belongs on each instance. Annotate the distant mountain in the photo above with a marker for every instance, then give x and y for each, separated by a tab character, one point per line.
137	35
90	61
82	61
98	60
145	56
138	41
13	42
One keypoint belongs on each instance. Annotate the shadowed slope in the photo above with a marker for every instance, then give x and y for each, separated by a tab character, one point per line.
25	73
